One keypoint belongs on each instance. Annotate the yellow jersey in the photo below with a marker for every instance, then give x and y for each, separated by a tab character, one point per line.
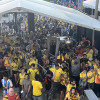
95	67
90	54
83	75
6	63
97	78
14	66
21	77
90	63
89	74
67	56
32	61
69	86
59	57
57	73
37	86
19	63
65	81
72	96
32	73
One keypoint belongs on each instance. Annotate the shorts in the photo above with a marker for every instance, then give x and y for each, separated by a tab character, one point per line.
90	85
15	72
62	87
82	83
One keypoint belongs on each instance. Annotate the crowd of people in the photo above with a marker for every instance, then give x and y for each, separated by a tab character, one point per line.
65	77
67	3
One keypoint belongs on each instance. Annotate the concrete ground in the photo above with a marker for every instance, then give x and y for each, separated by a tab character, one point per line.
16	91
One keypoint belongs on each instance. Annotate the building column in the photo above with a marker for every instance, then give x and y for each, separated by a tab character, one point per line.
31	25
96	17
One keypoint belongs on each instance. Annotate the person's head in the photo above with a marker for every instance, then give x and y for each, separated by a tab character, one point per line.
57	65
27	76
65	75
22	70
73	90
72	81
84	56
5	77
92	68
11	92
86	65
33	66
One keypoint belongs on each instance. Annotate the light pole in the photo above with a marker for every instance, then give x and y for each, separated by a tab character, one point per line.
96	17
69	3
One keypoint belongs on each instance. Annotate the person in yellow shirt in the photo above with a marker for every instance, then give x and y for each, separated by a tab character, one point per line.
83	80
96	64
67	56
15	67
83	77
37	88
95	67
6	62
19	63
33	60
91	77
90	62
21	78
64	81
57	72
97	83
72	95
32	51
32	72
89	53
60	58
70	85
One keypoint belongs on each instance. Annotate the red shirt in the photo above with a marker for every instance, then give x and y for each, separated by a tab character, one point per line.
14	97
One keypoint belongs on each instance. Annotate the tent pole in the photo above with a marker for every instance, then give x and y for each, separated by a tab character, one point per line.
82	5
1	24
93	37
92	11
78	3
69	3
96	9
96	17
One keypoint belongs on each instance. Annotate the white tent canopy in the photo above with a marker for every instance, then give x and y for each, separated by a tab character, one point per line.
51	10
91	4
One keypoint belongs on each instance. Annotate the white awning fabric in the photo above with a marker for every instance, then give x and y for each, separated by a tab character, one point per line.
51	10
91	4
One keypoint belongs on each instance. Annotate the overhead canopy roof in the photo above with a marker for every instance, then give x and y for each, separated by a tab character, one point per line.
50	10
91	4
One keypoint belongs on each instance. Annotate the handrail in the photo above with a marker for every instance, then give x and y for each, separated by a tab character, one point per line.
51	54
45	71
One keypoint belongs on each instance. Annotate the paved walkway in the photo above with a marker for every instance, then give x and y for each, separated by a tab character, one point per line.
16	91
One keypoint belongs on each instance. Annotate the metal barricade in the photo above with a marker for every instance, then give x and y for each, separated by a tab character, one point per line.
90	95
